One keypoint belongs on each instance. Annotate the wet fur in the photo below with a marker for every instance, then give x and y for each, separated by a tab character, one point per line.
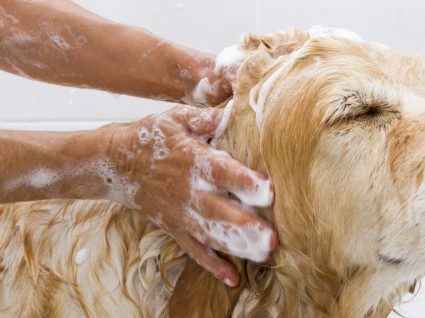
335	163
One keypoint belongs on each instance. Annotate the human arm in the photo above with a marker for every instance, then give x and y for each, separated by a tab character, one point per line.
160	166
59	42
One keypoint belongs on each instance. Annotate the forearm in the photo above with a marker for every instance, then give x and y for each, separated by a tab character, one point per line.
47	165
60	42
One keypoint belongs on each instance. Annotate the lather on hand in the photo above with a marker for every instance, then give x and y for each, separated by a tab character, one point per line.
160	165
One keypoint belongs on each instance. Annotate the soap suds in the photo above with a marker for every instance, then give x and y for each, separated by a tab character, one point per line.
260	195
318	31
221	128
144	136
20	37
201	167
246	241
184	73
38	178
55	38
197	122
81	256
119	188
267	86
225	63
229	58
159	149
321	31
60	42
201	91
258	107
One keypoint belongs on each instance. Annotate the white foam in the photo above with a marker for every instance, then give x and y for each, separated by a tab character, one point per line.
41	178
37	178
55	38
184	73
60	42
246	241
261	195
120	189
229	57
197	122
22	38
199	183
201	91
159	149
81	256
201	167
258	107
265	89
221	128
144	136
321	31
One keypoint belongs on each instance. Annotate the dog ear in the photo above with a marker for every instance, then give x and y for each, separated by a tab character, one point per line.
278	43
262	53
198	294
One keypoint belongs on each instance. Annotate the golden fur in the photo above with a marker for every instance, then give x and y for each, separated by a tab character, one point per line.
342	137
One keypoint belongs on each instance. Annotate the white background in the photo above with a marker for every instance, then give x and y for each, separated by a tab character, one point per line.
206	25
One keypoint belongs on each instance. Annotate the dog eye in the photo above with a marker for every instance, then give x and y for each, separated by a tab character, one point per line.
389	260
355	106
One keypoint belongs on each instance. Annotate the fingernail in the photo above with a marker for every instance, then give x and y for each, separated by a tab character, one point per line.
230	283
261	176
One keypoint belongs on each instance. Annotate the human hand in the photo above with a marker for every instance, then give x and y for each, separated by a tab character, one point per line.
180	184
215	75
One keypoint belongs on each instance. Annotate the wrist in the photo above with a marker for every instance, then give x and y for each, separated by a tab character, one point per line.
49	165
211	86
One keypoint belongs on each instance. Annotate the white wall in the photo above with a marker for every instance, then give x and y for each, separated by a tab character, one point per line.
206	25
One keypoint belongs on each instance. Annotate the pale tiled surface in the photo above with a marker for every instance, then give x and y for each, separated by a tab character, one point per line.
206	25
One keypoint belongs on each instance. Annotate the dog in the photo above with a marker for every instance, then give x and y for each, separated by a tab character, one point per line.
339	125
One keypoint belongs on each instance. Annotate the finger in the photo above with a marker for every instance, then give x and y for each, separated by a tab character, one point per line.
208	259
230	228
214	206
250	187
202	122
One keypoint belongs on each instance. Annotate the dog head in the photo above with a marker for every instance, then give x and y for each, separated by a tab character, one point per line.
339	126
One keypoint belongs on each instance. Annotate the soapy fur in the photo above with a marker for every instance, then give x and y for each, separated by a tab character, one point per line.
228	58
345	154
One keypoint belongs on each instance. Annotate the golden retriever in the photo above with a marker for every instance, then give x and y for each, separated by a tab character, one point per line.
337	123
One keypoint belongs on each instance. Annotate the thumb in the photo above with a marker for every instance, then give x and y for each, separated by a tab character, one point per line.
202	122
